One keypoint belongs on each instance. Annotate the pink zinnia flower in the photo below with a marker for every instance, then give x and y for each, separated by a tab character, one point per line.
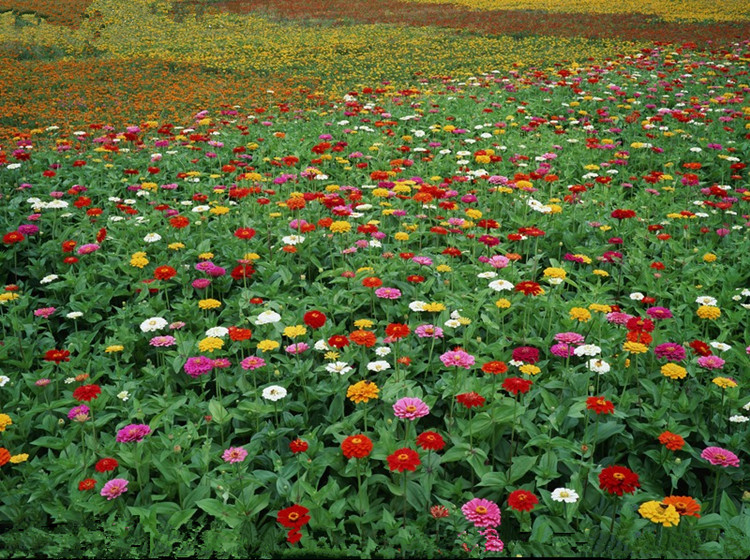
720	456
562	350
43	382
297	348
252	362
200	283
199	365
711	362
426	261
133	432
79	413
388	293
88	248
492	542
222	363
618	318
234	455
569	338
163	341
659	313
114	488
410	408
498	261
481	512
429	331
44	312
457	358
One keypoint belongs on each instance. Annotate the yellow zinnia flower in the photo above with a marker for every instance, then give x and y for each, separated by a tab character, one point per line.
5	421
724	382
295	331
708	312
673	371
659	512
209	303
580	314
20	458
210	344
502	303
555	272
267	345
529	369
114	348
635	347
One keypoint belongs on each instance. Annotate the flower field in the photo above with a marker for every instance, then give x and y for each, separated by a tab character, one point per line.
307	286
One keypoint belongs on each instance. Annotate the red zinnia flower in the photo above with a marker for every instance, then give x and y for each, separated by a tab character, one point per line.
105	465
242	271
4	456
338	341
470	400
529	288
358	446
404	459
671	441
495	368
415	279
87	393
179	222
314	319
244	233
522	500
618	480
87	484
430	441
57	356
623	214
397	330
700	348
294	517
600	405
68	246
13	237
641	325
372	282
516	385
293	536
298	446
237	334
164	272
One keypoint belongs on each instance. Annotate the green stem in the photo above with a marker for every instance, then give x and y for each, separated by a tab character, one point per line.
716	491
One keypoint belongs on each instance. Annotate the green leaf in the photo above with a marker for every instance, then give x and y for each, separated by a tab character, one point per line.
727	509
521	465
179	518
710	521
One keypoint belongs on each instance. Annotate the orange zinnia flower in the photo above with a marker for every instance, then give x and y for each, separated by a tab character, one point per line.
685	505
671	441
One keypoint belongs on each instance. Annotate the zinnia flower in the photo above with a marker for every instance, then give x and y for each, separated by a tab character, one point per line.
133	432
294	517
410	408
659	512
404	459
522	500
721	457
673	442
481	512
685	505
618	480
470	400
457	358
600	405
358	446
430	441
566	495
234	455
105	465
362	391
114	488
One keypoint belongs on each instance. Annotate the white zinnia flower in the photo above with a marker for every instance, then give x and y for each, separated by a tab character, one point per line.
488	274
338	367
74	315
123	395
218	332
720	346
152	238
153	324
382	351
705	300
566	495
321	346
738	418
293	239
274	393
587	350
637	296
598	366
3	380
49	278
379	365
417	305
268	317
501	285
453	323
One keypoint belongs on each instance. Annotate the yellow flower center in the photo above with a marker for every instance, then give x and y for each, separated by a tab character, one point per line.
411	408
481	510
618	476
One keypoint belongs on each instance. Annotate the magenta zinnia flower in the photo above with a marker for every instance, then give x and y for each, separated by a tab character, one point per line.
526	354
199	365
481	512
670	351
114	488
79	413
410	408
133	432
297	348
659	313
429	331
457	358
88	248
234	455
720	456
562	350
